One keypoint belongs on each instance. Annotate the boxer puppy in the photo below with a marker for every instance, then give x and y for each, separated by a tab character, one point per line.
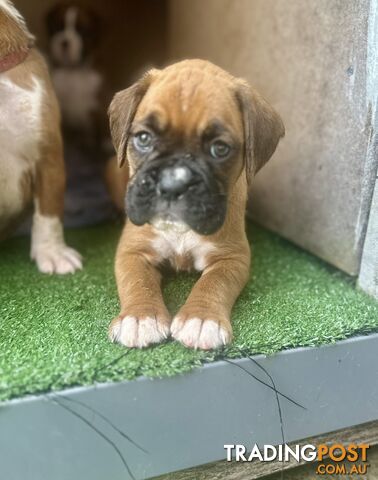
31	153
192	135
74	34
75	38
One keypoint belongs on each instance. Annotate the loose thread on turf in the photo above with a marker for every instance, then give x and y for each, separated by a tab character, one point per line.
110	364
81	373
264	383
96	412
275	392
101	434
87	422
109	422
277	400
117	359
103	367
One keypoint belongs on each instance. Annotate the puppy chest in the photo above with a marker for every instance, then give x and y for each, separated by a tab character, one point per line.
184	251
20	118
78	93
20	127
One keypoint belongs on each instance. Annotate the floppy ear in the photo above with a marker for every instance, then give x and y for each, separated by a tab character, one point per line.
122	111
263	128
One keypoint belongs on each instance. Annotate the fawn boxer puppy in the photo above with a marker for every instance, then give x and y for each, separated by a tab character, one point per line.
31	152
192	134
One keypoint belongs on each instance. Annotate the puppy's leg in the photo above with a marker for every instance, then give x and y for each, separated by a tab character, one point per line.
204	320
144	318
48	247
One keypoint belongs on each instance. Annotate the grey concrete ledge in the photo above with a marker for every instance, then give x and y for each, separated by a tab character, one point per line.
184	421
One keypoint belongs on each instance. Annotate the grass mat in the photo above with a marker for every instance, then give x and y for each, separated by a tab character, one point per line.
53	330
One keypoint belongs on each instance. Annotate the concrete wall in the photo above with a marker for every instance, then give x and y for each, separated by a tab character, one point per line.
368	278
309	58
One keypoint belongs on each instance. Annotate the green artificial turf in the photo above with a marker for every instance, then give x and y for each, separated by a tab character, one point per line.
53	330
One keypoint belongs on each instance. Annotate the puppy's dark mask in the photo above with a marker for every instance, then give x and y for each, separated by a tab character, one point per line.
179	188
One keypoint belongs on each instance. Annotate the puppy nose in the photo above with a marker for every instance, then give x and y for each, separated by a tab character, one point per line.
64	44
175	180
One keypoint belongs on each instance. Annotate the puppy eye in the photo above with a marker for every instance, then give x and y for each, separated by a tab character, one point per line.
143	141
219	149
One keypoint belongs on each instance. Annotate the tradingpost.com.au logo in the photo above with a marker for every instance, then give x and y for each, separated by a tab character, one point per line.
336	456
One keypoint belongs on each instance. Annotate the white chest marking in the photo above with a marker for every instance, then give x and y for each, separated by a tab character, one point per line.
78	92
170	243
20	131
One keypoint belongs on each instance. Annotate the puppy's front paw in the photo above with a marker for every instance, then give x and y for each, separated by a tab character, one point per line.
138	332
56	259
198	333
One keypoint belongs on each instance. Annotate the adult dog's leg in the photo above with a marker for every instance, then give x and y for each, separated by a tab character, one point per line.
48	247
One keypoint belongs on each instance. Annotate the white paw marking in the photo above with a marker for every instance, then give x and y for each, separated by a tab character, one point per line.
197	333
57	259
49	250
133	332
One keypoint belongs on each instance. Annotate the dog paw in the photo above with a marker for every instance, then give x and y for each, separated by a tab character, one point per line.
203	334
57	259
139	332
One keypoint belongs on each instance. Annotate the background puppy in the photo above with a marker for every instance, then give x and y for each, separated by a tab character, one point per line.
31	155
192	134
74	35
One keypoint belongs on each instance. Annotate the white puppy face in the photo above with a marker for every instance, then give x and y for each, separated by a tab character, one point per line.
73	32
67	45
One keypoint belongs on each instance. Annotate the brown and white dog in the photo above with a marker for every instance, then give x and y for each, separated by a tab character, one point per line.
74	38
192	134
31	154
74	32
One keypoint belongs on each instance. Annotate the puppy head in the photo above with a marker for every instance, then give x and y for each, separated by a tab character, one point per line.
14	35
73	31
189	131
